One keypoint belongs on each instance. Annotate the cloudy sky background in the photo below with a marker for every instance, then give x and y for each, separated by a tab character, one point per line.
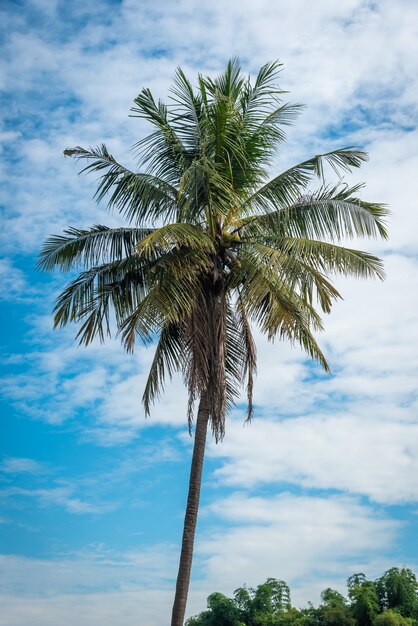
323	483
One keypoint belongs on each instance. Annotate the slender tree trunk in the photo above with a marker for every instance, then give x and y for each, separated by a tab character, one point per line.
190	518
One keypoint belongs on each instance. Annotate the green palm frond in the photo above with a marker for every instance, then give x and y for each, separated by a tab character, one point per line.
177	236
275	307
137	196
168	359
330	213
287	187
299	275
228	84
162	151
121	284
270	132
257	100
205	194
329	258
175	285
188	113
268	299
99	244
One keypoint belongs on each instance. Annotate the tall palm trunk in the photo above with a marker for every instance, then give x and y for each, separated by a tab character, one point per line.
190	518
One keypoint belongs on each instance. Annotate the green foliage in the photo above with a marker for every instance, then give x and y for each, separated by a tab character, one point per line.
263	605
364	599
269	605
391	618
398	589
331	598
221	612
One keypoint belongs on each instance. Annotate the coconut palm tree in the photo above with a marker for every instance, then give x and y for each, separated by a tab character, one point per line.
212	248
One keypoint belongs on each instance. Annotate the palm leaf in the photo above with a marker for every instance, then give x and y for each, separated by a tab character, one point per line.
277	309
298	274
99	244
330	258
176	236
120	284
288	186
137	196
331	213
168	358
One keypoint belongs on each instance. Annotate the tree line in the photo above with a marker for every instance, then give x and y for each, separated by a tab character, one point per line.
391	600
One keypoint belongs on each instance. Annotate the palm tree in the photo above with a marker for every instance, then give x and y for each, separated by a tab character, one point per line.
212	247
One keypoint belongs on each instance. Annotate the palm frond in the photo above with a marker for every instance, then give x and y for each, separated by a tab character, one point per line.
258	99
330	213
117	286
329	258
137	196
189	111
299	275
174	285
249	352
98	244
228	84
277	309
176	236
162	151
287	187
168	358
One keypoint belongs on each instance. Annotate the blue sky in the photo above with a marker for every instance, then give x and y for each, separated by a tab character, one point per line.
323	483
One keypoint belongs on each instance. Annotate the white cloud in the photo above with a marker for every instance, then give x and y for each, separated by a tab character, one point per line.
300	539
91	587
19	465
348	452
62	496
13	283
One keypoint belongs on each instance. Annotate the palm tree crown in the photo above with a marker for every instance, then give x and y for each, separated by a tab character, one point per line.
213	245
232	247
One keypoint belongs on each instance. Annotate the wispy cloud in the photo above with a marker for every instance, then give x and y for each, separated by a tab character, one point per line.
19	465
58	496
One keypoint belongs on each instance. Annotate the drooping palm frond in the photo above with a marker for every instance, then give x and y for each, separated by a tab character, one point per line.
299	275
139	197
174	283
249	352
168	359
120	284
98	244
275	307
